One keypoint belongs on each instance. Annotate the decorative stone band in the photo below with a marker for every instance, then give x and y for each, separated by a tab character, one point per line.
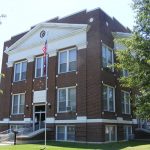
81	119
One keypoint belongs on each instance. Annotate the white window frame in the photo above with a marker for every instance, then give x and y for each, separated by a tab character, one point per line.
67	89
125	109
66	50
108	86
126	131
65	134
110	134
106	46
124	74
42	66
20	72
19	95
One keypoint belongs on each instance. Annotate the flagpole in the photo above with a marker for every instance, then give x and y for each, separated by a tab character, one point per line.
45	72
46	77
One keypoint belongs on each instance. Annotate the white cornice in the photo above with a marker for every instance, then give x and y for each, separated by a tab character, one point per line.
78	27
9	64
121	34
61	37
80	119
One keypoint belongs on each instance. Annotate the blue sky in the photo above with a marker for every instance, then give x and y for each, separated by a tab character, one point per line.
22	14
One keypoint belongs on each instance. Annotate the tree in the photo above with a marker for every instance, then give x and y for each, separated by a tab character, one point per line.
136	59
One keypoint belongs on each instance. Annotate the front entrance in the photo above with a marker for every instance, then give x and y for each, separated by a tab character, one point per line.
39	117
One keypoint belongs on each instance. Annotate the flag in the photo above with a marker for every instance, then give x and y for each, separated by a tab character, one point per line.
44	52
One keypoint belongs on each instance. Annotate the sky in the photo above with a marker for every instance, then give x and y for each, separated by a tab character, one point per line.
22	14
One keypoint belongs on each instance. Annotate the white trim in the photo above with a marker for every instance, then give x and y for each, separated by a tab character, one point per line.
30	59
50	120
134	121
83	119
10	64
27	119
80	119
15	122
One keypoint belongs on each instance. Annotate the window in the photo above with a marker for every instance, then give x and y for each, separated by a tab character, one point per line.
39	67
65	133
127	132
110	133
66	99
124	73
20	69
108	98
67	60
18	101
107	56
125	102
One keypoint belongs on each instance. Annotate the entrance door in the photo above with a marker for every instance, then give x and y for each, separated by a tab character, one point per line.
39	117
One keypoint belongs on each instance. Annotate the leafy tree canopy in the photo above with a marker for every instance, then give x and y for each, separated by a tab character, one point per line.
136	58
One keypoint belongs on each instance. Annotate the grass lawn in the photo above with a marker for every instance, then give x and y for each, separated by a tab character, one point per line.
132	145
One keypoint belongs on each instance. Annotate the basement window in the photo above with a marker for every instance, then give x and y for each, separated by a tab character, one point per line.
65	133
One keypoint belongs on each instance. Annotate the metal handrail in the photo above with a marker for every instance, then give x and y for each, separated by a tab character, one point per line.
28	130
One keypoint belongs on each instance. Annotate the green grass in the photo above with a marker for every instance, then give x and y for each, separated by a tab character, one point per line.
132	145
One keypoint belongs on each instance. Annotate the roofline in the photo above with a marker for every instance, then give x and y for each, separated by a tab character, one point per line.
121	34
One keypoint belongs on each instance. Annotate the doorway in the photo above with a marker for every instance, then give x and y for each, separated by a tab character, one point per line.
39	117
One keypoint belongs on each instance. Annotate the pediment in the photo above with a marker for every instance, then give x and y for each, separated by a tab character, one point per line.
55	31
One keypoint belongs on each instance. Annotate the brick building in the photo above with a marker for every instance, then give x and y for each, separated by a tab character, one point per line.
84	99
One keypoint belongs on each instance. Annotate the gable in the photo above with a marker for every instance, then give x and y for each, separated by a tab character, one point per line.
54	31
58	35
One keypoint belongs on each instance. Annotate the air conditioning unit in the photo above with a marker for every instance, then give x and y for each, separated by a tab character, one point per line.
71	108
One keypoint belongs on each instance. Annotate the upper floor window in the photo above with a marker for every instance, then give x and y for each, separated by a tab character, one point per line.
125	102
107	56
39	67
18	101
124	73
20	69
67	60
108	98
66	99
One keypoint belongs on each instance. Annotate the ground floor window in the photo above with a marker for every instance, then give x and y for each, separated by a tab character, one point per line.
110	133
127	132
65	133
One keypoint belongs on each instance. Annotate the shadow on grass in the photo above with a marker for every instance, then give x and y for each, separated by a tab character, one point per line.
109	146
